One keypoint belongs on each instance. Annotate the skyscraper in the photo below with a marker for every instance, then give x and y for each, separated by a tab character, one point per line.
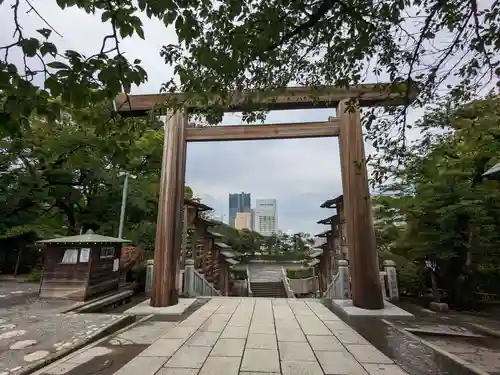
266	216
239	202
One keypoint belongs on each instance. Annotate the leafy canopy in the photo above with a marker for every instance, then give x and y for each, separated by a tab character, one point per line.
263	45
452	213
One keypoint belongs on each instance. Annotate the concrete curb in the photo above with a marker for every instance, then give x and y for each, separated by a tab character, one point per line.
485	330
80	307
439	350
94	306
120	323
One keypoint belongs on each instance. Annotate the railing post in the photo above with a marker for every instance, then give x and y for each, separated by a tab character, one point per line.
345	290
392	279
189	278
383	276
149	277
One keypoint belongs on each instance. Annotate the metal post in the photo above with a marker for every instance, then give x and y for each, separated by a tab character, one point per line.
124	203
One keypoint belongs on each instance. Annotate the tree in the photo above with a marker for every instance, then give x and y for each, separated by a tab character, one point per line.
453	215
66	176
264	46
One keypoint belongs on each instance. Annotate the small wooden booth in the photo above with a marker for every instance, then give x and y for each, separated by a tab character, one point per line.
80	267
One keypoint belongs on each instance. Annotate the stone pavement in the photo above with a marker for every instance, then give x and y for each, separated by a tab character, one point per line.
260	336
14	293
36	330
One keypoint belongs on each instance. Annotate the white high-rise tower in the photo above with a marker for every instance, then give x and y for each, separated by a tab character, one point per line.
266	216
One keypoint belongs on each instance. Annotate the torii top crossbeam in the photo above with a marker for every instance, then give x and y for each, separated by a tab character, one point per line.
285	99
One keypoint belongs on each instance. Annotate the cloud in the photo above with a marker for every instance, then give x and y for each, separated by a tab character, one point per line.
300	174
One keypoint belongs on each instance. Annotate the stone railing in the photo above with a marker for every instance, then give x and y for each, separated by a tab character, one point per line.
200	286
286	284
190	283
249	286
303	286
330	291
340	287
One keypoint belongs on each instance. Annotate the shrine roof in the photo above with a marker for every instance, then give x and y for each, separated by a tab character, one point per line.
331	203
313	262
90	238
328	220
324	234
222	245
200	206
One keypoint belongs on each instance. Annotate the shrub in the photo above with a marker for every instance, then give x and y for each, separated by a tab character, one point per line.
34	276
299	273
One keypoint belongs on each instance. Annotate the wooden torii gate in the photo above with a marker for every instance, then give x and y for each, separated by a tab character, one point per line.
366	288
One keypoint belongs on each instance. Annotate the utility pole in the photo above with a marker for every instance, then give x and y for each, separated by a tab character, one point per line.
124	203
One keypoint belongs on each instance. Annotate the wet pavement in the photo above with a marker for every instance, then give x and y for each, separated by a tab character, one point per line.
108	356
230	336
411	354
26	339
455	333
33	329
15	293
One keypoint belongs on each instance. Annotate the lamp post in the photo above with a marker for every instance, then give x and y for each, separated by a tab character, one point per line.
124	203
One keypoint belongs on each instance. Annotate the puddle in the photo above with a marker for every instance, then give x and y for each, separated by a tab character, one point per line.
412	355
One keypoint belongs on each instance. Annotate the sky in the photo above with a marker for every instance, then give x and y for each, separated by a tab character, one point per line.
300	174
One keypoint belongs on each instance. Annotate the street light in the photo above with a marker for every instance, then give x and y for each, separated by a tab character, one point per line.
124	203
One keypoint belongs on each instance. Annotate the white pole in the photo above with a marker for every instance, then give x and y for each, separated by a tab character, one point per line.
124	203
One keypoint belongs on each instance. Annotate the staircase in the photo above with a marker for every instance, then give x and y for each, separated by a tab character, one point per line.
268	289
264	272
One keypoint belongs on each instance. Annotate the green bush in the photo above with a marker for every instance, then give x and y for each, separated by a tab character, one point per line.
299	273
239	274
34	276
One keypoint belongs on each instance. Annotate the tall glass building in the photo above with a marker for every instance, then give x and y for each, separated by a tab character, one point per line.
238	202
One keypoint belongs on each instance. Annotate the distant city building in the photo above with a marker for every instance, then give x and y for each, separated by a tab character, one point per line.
266	216
243	220
239	202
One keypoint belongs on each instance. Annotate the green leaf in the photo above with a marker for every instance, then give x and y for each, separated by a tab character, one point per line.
49	48
45	32
169	18
179	24
137	61
30	46
58	65
106	16
136	21
54	86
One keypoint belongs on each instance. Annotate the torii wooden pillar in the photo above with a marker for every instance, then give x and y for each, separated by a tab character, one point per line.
171	199
363	258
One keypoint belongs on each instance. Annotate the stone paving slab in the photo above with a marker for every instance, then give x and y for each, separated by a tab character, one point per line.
259	336
302	337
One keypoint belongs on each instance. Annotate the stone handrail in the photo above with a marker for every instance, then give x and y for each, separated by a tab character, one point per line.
249	287
202	287
286	284
330	291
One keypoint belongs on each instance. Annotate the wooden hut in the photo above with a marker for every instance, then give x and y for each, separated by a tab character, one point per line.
80	267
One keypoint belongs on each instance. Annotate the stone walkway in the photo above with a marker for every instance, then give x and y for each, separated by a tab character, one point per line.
253	336
36	330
